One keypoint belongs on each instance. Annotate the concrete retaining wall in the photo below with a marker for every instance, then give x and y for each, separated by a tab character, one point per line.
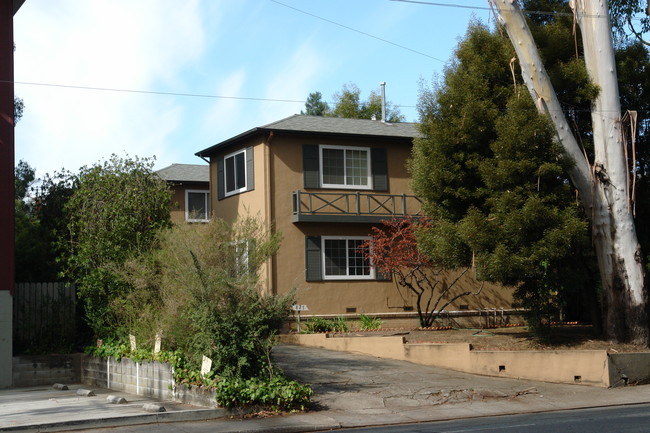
629	368
586	367
45	369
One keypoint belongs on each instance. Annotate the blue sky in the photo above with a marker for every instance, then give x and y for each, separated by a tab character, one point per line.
264	50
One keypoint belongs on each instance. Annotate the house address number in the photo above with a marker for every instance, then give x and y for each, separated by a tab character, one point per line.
299	308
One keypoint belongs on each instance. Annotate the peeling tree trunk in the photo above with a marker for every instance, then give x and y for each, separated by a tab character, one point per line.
602	186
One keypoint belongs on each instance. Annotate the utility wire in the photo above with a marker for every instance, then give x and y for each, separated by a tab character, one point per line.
153	92
199	95
484	8
358	31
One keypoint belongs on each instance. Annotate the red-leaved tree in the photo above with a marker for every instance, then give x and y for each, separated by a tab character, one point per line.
393	250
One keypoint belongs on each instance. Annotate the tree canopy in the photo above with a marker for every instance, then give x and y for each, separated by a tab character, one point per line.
348	104
492	177
114	213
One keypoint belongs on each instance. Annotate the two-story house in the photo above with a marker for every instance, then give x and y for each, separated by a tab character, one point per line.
190	185
322	182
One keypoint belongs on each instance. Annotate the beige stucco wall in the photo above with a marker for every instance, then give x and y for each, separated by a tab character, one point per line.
247	203
584	367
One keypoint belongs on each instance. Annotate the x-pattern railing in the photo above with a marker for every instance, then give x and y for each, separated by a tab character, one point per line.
355	203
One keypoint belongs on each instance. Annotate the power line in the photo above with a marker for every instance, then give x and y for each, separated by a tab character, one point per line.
358	31
484	8
153	92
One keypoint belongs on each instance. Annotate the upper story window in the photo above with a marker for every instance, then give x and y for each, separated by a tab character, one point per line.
235	172
345	167
197	205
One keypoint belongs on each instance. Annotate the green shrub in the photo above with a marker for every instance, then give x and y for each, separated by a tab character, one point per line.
369	323
278	393
319	324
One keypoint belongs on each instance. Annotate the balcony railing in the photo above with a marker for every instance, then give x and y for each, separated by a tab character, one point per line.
352	207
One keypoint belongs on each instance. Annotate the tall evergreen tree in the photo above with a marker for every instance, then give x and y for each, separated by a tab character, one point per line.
492	179
315	106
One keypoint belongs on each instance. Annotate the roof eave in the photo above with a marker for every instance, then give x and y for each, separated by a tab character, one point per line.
260	130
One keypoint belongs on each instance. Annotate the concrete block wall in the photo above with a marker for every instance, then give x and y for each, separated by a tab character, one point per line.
45	369
152	379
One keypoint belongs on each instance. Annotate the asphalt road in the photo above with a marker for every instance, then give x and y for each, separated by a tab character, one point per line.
625	419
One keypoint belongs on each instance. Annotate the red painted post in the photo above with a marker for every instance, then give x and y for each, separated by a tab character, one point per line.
6	146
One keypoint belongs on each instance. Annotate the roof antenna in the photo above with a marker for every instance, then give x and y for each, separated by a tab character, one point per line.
383	101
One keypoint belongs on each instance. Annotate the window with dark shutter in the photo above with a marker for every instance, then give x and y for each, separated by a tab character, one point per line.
235	173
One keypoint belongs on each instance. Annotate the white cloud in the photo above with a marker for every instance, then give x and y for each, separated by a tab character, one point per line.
108	44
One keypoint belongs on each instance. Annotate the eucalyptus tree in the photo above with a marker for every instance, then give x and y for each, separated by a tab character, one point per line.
603	182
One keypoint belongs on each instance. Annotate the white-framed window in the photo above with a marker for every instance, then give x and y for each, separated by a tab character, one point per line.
197	205
234	173
343	259
345	167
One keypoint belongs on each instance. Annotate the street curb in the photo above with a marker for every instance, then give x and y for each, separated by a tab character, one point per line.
177	416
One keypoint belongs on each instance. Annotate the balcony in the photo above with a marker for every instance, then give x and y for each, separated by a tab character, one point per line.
353	207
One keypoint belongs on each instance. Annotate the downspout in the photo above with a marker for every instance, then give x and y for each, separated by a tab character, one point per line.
268	208
211	185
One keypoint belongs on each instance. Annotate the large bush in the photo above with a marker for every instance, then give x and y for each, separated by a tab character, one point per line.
114	214
201	289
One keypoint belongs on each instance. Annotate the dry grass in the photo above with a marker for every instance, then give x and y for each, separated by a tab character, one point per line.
573	337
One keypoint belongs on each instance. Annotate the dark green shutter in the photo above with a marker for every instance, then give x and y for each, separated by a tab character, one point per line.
221	188
313	259
311	165
250	170
379	164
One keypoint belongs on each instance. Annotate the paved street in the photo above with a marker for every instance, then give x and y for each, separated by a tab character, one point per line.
620	419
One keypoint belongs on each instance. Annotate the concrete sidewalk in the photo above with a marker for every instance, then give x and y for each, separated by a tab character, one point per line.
47	409
350	391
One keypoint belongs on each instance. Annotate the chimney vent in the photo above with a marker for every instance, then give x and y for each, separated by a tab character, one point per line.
383	101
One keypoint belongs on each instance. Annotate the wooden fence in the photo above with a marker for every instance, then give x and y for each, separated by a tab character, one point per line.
44	318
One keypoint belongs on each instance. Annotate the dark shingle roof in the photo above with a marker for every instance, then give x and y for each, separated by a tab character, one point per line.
185	173
299	123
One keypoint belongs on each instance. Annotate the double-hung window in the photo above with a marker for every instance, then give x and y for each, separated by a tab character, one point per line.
345	167
197	205
344	258
235	173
